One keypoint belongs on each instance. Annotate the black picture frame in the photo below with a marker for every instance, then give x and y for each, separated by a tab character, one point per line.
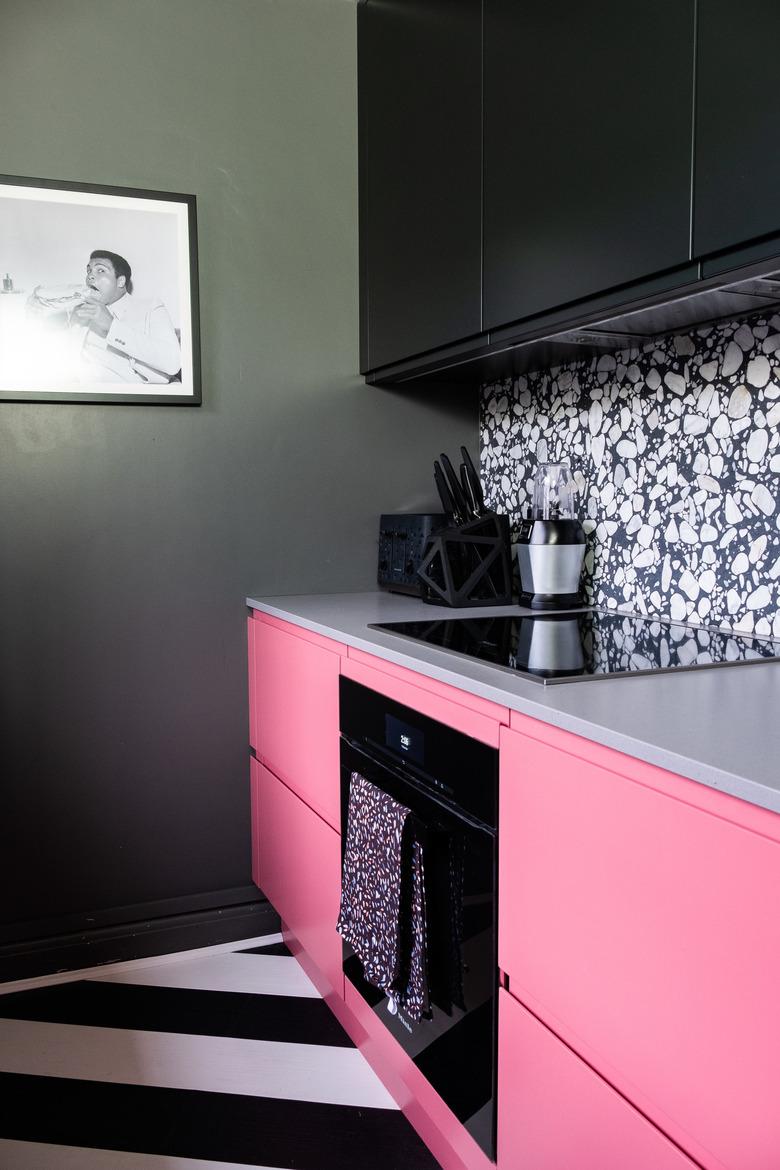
74	326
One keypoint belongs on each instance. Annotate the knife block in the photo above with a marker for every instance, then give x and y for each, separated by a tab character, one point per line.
469	564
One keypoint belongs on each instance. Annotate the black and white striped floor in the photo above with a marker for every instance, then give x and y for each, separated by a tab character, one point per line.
211	1060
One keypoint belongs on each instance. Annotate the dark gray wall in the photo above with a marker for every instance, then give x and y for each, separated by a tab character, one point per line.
129	536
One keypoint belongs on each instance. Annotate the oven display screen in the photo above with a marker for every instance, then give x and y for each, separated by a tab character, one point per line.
404	739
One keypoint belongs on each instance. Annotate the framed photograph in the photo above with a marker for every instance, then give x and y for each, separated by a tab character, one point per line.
98	294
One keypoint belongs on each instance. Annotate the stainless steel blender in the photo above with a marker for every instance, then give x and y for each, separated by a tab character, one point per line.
551	547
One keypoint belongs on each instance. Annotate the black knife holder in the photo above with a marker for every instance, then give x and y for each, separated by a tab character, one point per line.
469	564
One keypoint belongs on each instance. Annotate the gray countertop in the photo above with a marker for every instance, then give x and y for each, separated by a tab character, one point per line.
719	726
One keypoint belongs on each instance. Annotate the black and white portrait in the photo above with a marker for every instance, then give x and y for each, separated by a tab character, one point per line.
98	294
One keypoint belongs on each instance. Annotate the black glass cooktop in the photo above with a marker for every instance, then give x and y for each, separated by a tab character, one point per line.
585	644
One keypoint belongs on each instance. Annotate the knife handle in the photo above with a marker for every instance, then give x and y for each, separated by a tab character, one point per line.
468	491
445	495
456	491
474	480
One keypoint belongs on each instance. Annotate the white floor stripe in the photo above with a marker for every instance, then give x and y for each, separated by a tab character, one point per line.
38	1156
136	964
255	974
217	1064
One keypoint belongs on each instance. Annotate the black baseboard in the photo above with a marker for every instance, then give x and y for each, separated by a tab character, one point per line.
91	919
137	940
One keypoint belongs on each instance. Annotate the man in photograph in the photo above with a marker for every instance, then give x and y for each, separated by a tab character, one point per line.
125	338
113	334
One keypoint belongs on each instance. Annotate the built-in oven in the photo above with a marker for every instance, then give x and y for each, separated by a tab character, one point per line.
449	782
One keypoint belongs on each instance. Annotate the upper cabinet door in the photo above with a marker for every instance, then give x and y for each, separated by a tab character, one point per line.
737	173
588	129
420	111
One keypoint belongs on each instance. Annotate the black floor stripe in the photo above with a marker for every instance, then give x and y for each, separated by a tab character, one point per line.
291	1019
278	948
294	1135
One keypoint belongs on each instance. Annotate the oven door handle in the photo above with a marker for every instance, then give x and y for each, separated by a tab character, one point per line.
418	788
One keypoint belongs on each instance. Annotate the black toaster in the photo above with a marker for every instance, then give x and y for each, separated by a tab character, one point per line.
403	539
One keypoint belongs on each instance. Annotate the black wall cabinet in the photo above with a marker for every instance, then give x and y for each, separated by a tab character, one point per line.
535	168
737	174
588	114
420	86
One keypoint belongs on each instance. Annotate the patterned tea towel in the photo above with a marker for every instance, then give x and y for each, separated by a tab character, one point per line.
382	912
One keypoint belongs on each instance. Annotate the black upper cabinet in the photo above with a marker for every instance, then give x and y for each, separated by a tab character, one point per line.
535	166
588	119
737	172
420	113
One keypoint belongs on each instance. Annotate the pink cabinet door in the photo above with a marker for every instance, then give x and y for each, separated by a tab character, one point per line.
252	679
297	862
646	932
555	1113
296	725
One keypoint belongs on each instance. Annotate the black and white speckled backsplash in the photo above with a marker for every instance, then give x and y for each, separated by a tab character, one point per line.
676	451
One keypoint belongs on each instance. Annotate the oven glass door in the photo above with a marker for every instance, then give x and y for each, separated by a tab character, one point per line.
456	1049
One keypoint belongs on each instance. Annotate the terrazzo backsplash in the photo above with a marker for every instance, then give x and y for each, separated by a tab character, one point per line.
675	446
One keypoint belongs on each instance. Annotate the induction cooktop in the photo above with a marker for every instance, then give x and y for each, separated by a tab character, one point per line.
585	644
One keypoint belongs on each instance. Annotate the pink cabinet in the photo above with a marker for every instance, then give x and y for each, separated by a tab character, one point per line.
294	728
295	710
645	930
297	864
638	923
250	632
556	1113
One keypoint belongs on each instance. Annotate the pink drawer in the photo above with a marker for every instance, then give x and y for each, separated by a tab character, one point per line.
296	712
297	864
555	1113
